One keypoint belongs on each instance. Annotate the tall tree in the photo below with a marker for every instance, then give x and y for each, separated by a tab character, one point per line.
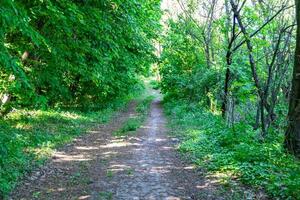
292	139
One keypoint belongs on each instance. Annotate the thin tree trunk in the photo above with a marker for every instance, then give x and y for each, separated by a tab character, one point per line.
257	118
231	40
252	63
292	136
262	118
226	88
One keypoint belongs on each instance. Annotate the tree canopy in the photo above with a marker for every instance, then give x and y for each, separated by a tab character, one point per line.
74	52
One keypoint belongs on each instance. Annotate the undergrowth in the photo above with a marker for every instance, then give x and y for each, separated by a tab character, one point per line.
237	151
154	84
28	137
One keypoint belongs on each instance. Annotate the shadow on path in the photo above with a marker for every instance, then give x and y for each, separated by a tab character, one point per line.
99	166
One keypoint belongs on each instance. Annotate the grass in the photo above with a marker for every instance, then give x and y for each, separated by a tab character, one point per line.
28	137
238	152
105	196
129	171
132	124
109	174
154	84
135	122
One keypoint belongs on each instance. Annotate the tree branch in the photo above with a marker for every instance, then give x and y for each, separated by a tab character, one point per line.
260	28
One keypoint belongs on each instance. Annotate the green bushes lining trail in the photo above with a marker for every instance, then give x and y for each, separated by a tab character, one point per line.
236	151
28	137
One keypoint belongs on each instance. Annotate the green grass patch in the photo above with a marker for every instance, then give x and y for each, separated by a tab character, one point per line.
154	84
105	195
109	174
239	151
135	122
130	125
28	137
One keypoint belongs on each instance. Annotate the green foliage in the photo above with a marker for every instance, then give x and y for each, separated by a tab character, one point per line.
144	106
28	137
196	52
79	52
237	150
197	57
130	125
155	84
183	67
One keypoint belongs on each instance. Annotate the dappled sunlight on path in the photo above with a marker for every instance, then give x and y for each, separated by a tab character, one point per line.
148	167
144	165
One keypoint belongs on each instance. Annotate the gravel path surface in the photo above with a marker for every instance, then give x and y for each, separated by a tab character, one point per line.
144	165
147	166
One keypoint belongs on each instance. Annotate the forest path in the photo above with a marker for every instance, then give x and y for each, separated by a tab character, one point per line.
100	166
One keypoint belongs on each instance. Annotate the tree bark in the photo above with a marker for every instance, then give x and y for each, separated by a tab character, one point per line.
226	88
292	136
230	40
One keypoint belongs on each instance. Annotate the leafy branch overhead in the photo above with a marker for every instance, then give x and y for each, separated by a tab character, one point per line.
78	52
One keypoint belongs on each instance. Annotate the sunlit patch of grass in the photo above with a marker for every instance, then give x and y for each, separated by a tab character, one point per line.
45	150
28	137
36	195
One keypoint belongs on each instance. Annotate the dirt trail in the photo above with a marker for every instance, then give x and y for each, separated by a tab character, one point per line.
99	166
147	166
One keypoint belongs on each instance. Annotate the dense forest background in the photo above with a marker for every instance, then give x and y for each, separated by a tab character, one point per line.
235	58
225	68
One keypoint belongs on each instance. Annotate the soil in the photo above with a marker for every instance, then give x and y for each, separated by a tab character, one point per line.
144	165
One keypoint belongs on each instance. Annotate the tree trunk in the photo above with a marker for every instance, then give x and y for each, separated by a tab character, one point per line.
257	118
292	136
231	40
226	88
252	62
